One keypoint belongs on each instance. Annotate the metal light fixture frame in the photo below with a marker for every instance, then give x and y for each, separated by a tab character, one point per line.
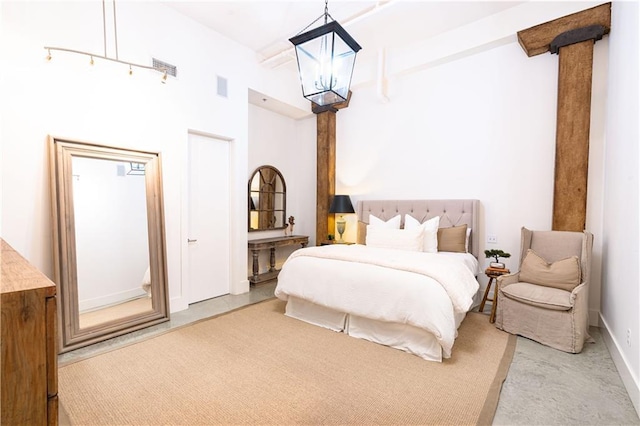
326	58
136	169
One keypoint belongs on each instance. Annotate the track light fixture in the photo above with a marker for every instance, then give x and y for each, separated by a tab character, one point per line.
105	57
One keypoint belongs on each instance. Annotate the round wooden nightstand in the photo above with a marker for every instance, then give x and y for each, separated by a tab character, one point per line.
493	274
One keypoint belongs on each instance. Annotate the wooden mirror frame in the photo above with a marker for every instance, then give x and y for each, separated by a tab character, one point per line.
71	336
266	199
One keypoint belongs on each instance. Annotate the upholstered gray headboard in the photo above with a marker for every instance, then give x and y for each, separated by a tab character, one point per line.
451	212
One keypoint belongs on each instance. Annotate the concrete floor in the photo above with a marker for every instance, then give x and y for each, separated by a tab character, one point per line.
550	387
544	386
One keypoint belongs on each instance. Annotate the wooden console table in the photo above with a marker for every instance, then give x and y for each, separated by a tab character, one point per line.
256	246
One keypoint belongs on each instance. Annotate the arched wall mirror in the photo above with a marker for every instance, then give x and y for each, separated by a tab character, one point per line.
267	199
109	246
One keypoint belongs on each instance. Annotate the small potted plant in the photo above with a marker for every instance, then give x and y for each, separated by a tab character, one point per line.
496	254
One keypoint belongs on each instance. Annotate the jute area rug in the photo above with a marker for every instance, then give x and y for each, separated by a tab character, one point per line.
256	366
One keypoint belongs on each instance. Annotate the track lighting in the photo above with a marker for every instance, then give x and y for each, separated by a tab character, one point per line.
105	57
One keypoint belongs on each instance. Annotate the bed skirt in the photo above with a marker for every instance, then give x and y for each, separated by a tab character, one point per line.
404	337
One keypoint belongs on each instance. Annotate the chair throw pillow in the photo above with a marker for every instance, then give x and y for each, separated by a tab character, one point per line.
562	274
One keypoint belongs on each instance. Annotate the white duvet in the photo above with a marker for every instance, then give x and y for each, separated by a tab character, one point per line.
424	290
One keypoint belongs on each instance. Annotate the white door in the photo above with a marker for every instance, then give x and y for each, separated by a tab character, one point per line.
208	227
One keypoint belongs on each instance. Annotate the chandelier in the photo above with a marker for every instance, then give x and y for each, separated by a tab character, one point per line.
326	57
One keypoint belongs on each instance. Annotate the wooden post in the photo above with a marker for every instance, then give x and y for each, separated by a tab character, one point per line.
326	172
326	165
572	137
572	37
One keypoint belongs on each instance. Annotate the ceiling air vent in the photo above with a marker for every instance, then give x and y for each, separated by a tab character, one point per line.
164	66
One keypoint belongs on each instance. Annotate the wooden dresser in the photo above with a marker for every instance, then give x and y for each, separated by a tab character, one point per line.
29	381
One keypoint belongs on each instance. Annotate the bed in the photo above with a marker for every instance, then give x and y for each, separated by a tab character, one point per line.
390	291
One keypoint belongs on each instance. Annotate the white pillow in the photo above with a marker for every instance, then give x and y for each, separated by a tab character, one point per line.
399	239
393	223
430	227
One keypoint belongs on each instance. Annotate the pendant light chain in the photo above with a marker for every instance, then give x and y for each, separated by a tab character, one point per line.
326	10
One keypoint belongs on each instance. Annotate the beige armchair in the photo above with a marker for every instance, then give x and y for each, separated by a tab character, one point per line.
547	299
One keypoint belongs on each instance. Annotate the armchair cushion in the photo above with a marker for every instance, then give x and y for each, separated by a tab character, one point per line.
562	274
541	296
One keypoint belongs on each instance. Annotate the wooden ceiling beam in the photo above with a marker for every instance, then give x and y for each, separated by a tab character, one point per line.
536	40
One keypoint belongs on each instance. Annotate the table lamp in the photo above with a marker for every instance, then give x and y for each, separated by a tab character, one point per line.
341	204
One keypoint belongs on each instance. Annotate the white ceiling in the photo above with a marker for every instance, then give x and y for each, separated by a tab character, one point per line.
265	26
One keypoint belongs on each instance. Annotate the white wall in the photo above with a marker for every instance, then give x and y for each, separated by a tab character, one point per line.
68	98
290	146
482	127
620	272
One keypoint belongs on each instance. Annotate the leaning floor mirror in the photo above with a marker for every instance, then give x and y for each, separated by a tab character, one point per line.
109	242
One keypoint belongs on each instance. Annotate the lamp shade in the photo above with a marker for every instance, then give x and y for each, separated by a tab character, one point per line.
341	204
326	58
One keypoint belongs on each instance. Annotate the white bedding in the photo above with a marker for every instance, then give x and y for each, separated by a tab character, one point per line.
428	291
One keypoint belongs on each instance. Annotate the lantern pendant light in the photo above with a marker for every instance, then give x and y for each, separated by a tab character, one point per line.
326	58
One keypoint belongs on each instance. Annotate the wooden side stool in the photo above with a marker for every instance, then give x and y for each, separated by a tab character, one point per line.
493	274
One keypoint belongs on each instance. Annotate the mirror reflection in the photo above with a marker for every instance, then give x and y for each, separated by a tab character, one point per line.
267	199
112	252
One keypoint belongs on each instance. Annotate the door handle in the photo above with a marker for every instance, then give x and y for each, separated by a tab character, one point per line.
191	241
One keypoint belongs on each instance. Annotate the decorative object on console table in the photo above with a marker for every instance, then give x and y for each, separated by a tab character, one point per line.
256	246
292	221
493	274
341	204
497	254
29	344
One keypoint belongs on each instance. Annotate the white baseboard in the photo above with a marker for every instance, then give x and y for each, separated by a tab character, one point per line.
177	304
621	364
110	299
241	287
